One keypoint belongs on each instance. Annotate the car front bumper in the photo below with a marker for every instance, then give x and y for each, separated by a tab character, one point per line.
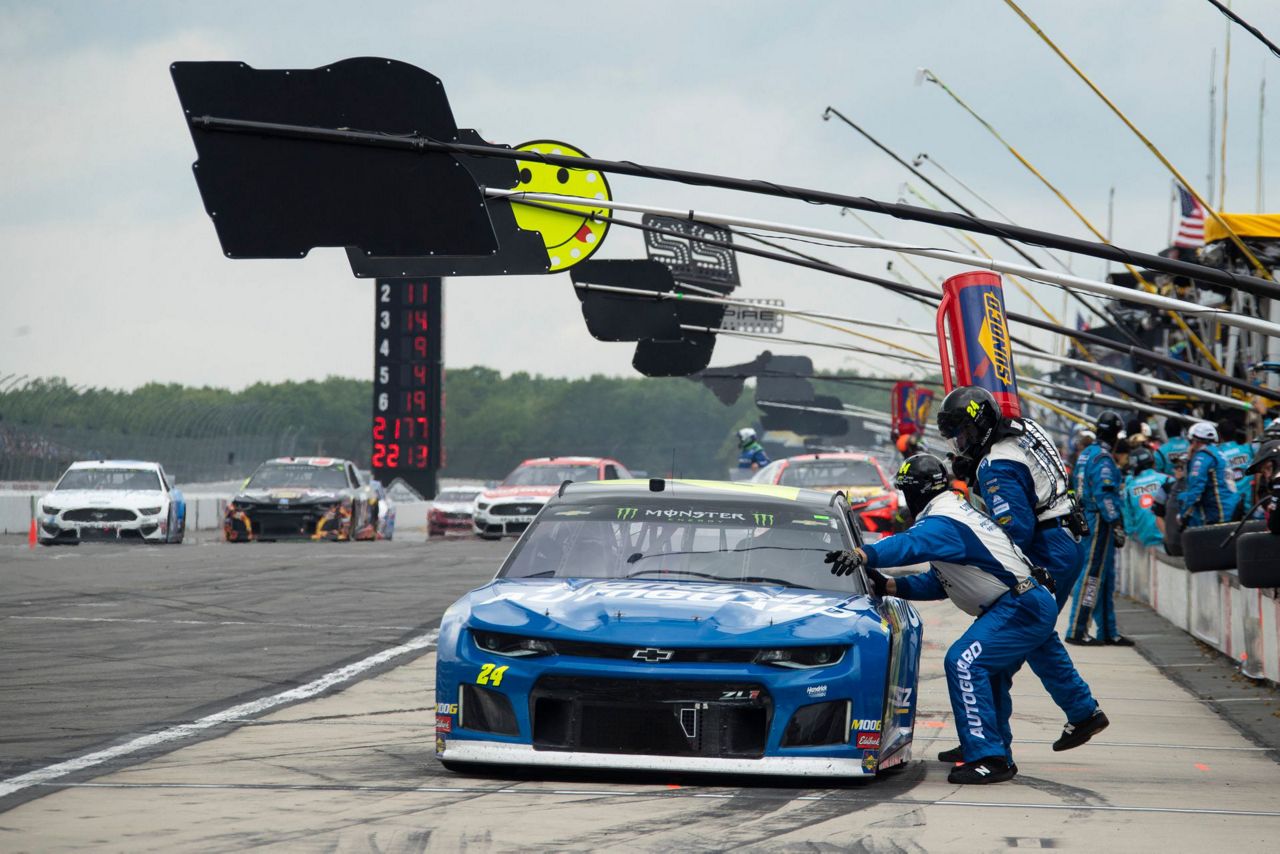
54	529
502	753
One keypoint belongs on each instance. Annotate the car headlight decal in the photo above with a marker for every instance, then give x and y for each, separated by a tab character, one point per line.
50	509
514	646
149	511
801	657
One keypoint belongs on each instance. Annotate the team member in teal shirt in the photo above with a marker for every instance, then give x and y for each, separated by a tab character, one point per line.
1143	489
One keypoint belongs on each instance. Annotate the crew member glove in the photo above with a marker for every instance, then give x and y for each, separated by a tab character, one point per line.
844	562
1117	535
879	582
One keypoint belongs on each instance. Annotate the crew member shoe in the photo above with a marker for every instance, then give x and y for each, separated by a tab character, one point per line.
1085	641
1118	640
1077	733
955	754
992	769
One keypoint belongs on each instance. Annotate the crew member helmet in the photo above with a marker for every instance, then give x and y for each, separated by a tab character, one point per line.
1203	431
1273	429
1268	452
1109	429
920	478
1141	459
969	416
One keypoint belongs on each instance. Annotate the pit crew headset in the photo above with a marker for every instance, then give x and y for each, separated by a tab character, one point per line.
972	420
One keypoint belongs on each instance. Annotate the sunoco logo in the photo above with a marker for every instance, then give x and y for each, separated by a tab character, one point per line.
994	337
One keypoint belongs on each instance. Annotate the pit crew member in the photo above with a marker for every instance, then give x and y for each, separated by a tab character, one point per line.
1144	491
1210	495
751	456
1097	481
978	567
1025	486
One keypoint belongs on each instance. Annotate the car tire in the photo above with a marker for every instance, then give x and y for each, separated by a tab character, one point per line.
1202	548
1258	559
469	768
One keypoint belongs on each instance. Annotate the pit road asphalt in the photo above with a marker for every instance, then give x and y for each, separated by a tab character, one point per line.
105	644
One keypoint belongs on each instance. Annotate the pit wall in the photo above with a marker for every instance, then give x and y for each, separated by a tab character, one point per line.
1240	622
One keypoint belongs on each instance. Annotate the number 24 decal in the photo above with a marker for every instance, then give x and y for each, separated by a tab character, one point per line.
491	675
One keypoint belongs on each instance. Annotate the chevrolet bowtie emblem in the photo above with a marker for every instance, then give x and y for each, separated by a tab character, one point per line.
652	655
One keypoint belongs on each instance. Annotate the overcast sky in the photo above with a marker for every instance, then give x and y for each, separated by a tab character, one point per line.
111	274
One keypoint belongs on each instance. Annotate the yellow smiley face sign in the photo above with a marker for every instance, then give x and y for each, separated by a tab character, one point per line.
572	233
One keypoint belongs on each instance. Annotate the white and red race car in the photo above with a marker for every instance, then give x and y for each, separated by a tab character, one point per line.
507	509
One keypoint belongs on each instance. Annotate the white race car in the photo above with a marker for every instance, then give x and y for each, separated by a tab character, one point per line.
112	500
507	509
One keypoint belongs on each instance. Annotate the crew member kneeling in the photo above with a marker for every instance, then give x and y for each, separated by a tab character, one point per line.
978	567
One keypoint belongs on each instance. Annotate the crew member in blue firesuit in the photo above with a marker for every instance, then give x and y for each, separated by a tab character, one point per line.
1210	494
1097	481
1025	486
978	567
1175	445
1144	490
751	456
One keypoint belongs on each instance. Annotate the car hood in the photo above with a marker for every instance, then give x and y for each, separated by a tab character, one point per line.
530	493
453	506
676	613
68	498
290	494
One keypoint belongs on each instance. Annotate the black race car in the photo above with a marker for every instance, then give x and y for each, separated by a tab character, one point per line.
317	498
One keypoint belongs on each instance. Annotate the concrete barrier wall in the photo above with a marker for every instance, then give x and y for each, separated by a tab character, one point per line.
1240	622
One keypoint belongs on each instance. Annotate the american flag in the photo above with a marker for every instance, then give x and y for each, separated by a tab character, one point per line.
1191	225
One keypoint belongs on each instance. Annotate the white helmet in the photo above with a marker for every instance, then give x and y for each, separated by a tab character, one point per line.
1203	431
746	436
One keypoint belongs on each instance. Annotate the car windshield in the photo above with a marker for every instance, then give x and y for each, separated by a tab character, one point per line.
144	480
274	476
684	541
457	496
812	473
550	475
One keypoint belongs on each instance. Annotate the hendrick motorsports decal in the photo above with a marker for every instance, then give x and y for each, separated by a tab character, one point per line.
796	604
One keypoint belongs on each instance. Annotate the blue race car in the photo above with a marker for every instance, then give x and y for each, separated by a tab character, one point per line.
680	626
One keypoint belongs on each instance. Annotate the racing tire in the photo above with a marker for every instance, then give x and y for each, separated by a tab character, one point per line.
1258	559
472	768
1202	548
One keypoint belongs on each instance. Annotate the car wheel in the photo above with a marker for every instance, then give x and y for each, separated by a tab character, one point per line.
1202	547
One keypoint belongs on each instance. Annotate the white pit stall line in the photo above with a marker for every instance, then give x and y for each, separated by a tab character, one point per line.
47	775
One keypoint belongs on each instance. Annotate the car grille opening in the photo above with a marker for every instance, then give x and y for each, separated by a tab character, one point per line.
99	514
515	509
818	723
650	717
487	711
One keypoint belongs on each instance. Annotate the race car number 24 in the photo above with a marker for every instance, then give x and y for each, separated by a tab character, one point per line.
491	674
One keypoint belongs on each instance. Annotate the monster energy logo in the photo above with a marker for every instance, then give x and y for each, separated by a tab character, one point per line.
762	520
627	512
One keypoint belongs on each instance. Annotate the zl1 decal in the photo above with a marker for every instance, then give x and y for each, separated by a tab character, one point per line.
491	674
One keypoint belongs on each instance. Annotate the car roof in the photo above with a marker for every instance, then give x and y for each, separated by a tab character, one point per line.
698	489
566	461
829	455
308	461
115	464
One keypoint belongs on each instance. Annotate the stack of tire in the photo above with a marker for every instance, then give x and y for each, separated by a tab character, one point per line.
1254	552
